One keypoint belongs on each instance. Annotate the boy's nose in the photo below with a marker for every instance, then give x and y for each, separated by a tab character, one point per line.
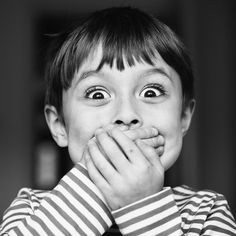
127	114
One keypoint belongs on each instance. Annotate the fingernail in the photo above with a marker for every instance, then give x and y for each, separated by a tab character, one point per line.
160	150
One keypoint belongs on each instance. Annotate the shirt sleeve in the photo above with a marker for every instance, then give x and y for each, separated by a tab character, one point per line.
220	220
155	215
74	207
204	212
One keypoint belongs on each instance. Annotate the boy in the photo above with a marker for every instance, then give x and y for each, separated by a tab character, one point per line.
120	97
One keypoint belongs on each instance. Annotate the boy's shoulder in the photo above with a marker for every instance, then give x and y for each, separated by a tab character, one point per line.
29	195
27	192
185	190
187	195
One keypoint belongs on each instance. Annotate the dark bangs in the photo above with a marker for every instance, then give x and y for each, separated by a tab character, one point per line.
125	34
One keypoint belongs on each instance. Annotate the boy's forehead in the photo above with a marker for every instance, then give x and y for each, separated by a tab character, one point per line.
92	62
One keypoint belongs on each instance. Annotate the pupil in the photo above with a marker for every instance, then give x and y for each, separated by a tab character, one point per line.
150	93
98	96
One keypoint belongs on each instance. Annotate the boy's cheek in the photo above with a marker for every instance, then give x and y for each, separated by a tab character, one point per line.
77	141
78	138
171	131
172	149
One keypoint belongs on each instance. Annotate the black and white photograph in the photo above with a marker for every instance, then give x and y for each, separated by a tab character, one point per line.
118	118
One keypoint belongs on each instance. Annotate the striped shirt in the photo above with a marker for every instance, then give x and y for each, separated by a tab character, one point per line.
76	207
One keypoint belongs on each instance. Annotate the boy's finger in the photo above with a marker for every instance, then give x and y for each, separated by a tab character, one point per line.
155	141
160	151
141	133
100	161
94	174
150	154
130	149
112	151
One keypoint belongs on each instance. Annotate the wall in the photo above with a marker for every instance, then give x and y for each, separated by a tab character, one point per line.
210	33
15	99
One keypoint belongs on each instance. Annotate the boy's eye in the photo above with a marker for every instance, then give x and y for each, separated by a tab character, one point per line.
152	90
97	93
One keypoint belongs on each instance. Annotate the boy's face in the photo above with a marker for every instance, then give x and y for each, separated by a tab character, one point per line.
139	96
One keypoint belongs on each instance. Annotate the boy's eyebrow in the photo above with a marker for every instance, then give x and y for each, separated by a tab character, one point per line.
159	70
86	74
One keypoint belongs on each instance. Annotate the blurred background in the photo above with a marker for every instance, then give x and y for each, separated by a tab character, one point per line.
29	157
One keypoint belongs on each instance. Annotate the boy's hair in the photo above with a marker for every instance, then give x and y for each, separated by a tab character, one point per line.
124	33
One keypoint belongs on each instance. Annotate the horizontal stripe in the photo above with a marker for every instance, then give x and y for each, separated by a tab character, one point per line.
21	230
225	213
219	224
157	220
93	205
36	230
139	204
84	178
19	206
77	207
223	221
174	231
12	219
68	216
90	193
161	205
170	225
215	230
72	209
56	218
43	224
167	208
186	223
17	232
45	217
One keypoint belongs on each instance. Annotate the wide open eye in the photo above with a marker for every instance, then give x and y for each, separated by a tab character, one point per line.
152	90
97	93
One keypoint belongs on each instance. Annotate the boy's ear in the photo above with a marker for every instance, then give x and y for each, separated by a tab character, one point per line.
187	114
56	125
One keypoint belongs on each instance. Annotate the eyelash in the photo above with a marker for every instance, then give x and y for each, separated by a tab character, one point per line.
158	87
89	91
